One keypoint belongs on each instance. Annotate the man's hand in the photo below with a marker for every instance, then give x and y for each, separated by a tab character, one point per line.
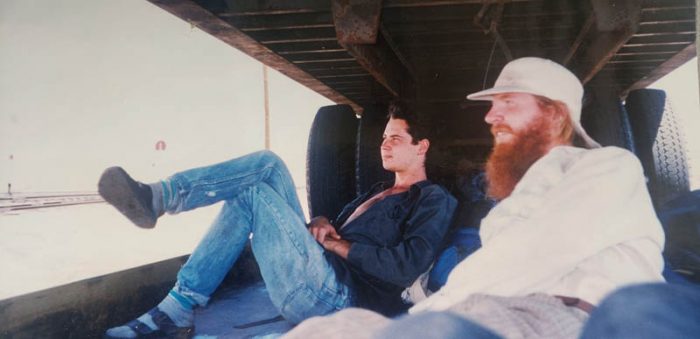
322	230
338	246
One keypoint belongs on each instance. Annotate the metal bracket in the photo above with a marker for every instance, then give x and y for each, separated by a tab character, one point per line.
488	19
356	21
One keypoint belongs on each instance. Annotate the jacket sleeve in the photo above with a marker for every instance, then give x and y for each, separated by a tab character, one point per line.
423	233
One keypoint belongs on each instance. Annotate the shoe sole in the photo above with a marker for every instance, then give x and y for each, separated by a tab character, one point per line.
119	190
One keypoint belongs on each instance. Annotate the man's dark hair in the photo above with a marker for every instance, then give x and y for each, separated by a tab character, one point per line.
418	127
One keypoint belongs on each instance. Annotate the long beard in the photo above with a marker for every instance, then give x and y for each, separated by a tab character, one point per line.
509	161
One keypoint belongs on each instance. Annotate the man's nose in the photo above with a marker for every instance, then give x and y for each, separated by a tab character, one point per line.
385	144
493	116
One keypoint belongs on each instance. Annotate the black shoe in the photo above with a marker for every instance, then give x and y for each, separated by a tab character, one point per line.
166	328
130	197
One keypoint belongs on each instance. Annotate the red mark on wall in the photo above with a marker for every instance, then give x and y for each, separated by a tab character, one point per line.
160	145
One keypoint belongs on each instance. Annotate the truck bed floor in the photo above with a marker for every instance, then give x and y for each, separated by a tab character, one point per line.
240	312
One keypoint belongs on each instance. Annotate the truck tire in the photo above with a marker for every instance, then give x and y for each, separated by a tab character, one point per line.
330	160
368	167
659	143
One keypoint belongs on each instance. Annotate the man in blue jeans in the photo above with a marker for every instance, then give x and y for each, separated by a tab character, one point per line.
378	245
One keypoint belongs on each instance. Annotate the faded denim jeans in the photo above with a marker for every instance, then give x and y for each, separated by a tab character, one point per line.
647	311
656	310
259	198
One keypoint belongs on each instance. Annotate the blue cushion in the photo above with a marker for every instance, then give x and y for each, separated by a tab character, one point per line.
680	218
464	243
463	238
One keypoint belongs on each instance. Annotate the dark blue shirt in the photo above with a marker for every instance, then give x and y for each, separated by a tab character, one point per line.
393	242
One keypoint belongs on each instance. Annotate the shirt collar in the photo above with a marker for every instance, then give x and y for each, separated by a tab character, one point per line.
415	188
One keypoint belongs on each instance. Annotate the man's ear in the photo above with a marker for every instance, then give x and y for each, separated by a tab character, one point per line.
562	119
423	146
562	116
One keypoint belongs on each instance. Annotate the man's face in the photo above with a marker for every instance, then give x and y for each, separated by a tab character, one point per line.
510	115
522	134
398	152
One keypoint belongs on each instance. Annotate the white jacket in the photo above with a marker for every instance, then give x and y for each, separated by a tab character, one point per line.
580	223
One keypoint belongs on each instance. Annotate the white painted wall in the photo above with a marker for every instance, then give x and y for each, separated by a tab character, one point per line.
86	84
89	83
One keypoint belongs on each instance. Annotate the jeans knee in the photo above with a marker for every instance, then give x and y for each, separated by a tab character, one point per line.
633	304
641	295
646	311
269	157
303	303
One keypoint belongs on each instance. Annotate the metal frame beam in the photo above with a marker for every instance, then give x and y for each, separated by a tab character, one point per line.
356	22
431	3
381	63
267	7
357	28
664	68
616	21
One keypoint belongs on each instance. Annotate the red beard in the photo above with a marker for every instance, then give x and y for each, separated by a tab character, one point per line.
509	161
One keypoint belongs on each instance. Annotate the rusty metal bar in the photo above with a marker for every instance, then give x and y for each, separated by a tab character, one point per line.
432	3
356	22
616	23
664	68
267	7
377	62
357	27
585	29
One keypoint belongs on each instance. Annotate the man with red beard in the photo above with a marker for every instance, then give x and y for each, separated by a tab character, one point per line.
572	224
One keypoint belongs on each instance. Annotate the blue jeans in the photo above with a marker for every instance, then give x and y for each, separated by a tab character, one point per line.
647	311
444	325
259	198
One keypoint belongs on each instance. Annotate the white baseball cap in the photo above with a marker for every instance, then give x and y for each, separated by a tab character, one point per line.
545	78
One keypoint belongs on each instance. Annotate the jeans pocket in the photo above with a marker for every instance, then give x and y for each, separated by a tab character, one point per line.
304	303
